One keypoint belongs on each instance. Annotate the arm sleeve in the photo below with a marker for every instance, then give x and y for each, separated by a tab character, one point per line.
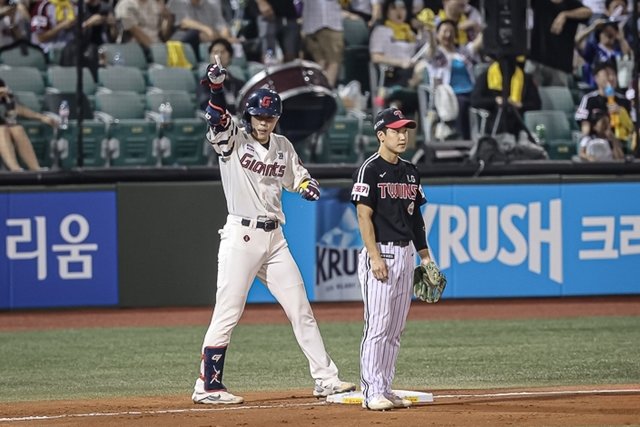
222	139
419	232
218	99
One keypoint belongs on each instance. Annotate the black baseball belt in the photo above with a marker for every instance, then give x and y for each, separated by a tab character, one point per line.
267	225
401	243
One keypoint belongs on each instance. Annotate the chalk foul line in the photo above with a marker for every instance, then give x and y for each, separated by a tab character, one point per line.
219	408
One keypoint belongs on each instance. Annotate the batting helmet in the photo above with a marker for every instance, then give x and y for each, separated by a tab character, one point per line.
262	102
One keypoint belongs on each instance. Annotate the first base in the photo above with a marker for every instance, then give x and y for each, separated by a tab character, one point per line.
356	397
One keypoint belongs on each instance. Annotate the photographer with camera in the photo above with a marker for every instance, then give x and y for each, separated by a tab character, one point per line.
13	136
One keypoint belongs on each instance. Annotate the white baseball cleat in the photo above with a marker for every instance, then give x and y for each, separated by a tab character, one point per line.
323	390
216	398
378	403
398	402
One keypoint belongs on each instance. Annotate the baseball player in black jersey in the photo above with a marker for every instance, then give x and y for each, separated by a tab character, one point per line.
388	196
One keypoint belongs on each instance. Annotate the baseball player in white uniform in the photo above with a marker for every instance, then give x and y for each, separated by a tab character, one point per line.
255	165
388	196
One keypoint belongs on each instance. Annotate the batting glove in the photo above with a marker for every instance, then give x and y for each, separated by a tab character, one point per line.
310	190
217	118
214	77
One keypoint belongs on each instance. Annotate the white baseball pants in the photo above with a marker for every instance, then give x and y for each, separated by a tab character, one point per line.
245	253
386	306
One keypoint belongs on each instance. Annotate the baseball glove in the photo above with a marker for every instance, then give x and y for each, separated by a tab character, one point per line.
428	282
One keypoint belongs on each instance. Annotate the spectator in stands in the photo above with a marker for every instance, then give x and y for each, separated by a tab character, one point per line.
452	65
467	19
323	35
14	22
141	20
555	24
52	24
278	24
198	21
13	136
608	44
605	74
393	45
601	144
523	96
232	84
99	27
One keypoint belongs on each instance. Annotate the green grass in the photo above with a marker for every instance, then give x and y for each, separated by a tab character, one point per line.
87	363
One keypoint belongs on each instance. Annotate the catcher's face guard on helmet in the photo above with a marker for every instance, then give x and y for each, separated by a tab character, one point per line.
262	102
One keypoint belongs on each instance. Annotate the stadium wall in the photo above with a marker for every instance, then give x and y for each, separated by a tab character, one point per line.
155	244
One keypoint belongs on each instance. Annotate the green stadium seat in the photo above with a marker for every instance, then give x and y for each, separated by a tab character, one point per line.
64	79
173	79
130	134
131	54
94	143
559	141
41	136
122	79
25	56
559	98
63	150
23	79
356	52
340	141
185	133
29	100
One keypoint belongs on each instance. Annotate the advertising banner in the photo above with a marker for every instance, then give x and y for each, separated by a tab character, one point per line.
58	249
522	240
503	240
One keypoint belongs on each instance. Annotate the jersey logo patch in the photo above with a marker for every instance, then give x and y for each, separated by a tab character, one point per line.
246	238
280	155
360	189
387	256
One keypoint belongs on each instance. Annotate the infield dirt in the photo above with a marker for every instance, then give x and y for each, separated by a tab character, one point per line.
601	405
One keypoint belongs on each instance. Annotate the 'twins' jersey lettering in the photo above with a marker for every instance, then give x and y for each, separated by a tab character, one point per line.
397	190
274	169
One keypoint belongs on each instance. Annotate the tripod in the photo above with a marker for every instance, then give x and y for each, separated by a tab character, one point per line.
507	68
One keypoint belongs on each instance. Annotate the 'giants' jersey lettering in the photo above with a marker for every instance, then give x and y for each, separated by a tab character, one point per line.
397	190
248	162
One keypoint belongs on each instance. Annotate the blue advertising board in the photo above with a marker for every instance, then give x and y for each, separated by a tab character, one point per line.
520	240
58	249
491	240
